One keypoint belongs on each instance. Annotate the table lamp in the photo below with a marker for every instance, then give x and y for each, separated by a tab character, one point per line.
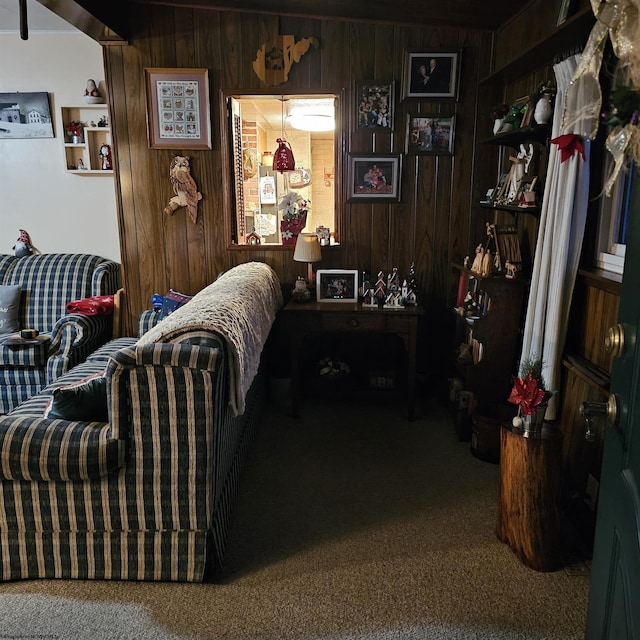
308	250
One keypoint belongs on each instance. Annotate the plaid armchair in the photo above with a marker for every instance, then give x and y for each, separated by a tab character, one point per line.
49	282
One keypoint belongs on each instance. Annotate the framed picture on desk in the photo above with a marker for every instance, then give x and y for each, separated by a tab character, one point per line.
337	285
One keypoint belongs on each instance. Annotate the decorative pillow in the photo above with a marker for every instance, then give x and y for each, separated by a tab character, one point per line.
9	306
173	300
85	401
94	306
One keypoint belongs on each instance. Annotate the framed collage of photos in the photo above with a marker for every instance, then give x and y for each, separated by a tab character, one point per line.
178	114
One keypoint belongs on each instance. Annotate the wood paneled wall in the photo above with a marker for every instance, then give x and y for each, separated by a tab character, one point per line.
430	226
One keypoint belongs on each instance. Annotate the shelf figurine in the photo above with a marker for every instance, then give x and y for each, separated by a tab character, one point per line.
369	299
91	93
393	301
105	157
393	280
300	291
380	292
476	266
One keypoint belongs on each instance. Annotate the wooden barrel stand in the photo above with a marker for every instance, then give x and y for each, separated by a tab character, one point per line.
528	513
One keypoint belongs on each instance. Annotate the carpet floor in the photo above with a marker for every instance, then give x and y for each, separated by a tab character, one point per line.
351	523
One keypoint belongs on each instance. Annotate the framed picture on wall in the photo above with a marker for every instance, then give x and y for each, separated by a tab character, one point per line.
374	177
429	134
375	107
178	114
25	115
431	75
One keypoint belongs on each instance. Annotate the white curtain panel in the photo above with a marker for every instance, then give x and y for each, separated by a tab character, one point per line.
562	221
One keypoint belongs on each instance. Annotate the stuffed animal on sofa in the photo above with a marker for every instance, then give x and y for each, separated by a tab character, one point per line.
23	246
187	194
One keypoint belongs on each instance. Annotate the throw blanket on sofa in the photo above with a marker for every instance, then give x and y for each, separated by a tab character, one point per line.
241	306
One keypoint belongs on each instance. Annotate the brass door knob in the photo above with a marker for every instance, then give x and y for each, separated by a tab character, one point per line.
614	342
609	409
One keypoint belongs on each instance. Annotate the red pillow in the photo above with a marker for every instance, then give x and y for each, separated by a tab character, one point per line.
96	306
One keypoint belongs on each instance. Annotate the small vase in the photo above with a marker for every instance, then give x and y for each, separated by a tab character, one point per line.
543	111
77	139
291	229
497	123
535	422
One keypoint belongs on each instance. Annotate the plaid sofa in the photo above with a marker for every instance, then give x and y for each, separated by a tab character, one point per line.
49	282
147	495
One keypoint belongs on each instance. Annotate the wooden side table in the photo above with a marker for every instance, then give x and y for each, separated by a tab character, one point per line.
305	318
528	506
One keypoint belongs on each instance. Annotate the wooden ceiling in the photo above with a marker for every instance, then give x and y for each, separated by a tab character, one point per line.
485	14
106	22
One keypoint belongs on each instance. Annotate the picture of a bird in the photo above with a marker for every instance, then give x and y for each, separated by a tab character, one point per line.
187	194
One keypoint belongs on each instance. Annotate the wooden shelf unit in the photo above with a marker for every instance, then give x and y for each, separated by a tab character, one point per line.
93	138
511	208
569	34
499	332
537	133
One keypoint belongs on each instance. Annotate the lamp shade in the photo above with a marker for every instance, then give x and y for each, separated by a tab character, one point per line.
307	248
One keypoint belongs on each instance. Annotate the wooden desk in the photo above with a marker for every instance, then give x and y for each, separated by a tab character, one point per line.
528	506
304	318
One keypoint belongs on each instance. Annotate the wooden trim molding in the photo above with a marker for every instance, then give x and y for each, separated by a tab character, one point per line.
105	22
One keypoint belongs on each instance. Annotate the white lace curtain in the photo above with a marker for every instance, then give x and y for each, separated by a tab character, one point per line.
559	243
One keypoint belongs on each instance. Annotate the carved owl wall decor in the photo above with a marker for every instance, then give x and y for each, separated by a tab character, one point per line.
187	194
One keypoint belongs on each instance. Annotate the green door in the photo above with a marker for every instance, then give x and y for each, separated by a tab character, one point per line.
614	601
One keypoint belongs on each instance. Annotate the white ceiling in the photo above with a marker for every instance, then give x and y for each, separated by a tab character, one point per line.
39	18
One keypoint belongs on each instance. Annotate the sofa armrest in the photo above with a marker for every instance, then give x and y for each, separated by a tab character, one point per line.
161	385
73	338
106	279
37	449
148	319
74	330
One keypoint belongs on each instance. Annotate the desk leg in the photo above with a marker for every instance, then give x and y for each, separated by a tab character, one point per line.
411	369
294	345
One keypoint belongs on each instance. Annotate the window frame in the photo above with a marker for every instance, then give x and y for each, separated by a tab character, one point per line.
228	162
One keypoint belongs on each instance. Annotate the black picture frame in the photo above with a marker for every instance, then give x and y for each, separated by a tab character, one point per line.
375	105
430	134
374	177
431	74
26	115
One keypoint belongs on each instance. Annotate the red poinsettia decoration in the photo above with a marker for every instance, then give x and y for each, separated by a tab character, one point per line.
527	393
